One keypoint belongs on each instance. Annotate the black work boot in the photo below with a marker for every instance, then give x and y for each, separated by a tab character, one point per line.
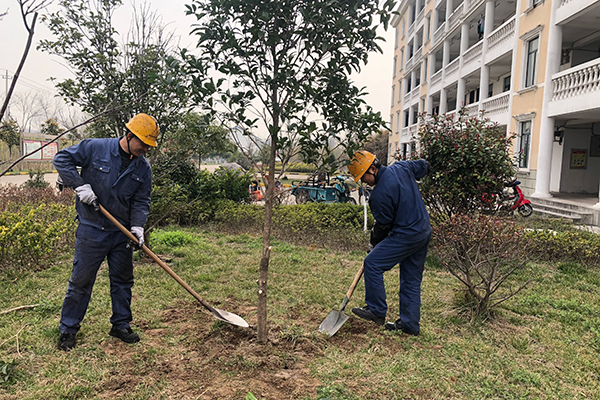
66	341
127	335
397	326
365	313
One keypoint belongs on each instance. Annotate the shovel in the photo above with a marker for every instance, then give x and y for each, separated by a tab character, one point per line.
218	314
336	318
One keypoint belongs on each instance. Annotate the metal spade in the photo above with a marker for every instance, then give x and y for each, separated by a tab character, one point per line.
336	318
217	313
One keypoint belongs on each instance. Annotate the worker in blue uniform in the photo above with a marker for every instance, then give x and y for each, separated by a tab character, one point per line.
400	235
114	173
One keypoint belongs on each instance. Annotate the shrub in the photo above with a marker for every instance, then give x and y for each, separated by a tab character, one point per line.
483	253
571	245
34	234
468	157
36	180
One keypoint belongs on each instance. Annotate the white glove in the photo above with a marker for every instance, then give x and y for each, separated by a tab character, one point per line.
86	194
369	248
138	232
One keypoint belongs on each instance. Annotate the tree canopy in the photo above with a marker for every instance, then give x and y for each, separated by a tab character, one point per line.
138	75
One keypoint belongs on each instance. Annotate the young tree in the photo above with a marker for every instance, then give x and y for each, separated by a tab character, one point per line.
10	134
287	66
50	127
469	157
138	74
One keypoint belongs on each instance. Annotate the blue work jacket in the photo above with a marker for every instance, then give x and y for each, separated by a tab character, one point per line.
396	200
126	197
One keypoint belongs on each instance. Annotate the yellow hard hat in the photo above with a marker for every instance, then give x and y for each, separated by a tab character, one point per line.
360	164
145	128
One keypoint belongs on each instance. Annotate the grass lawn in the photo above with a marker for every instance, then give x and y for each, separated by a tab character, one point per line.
542	344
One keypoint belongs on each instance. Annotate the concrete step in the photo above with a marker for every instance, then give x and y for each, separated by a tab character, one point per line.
579	215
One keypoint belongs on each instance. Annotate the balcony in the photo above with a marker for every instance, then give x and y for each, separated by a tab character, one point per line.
472	58
472	109
496	108
438	35
455	18
570	9
452	71
501	41
434	82
576	89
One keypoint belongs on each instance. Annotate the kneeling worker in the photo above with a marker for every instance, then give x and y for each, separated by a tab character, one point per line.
400	235
115	173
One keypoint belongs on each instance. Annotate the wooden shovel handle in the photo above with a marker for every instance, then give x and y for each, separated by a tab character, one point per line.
158	260
355	282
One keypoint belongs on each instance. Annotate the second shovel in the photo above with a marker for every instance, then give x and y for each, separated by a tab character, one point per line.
336	318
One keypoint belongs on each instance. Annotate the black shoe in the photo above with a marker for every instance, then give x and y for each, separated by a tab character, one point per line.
126	335
66	341
397	326
367	314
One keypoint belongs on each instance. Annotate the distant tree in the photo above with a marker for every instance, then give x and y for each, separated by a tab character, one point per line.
10	134
287	64
138	74
29	14
50	127
378	145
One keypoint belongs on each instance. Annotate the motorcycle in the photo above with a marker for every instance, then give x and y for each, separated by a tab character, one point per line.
505	203
520	203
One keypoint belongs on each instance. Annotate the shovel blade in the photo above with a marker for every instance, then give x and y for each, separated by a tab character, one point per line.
333	322
229	317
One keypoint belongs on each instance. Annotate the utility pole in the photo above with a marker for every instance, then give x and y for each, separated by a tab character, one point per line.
6	78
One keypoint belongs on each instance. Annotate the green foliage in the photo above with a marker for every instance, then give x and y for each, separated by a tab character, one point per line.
295	60
50	127
6	368
142	72
9	133
185	195
36	180
567	246
33	234
483	253
469	156
172	238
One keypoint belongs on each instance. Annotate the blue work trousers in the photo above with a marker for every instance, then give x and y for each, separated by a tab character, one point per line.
92	246
411	257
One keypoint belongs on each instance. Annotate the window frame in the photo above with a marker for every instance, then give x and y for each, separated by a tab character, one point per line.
524	148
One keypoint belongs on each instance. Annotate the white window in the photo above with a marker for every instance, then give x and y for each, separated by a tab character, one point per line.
393	94
399	90
401	58
524	143
531	61
398	121
395	67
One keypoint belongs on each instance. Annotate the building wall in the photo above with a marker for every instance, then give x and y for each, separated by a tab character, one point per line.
530	100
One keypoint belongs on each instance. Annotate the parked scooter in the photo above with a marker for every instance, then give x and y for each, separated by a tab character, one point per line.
506	202
520	203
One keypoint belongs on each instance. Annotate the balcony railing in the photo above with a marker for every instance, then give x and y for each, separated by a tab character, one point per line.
472	109
439	34
503	33
473	53
436	78
453	66
583	79
472	4
496	104
455	17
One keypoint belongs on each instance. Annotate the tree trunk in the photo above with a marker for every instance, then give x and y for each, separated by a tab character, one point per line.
18	71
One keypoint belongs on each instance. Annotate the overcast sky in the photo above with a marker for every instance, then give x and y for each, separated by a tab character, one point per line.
39	67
